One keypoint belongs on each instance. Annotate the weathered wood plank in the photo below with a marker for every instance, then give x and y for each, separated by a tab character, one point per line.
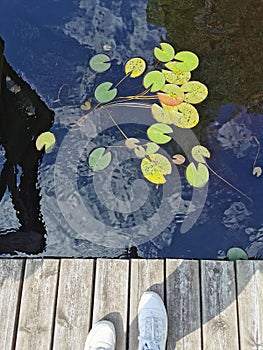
219	309
37	305
183	305
250	304
145	275
10	283
73	312
111	296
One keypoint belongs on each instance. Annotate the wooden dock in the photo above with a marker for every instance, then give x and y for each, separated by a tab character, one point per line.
52	303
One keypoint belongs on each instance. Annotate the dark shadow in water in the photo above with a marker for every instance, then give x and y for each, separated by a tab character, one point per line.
23	116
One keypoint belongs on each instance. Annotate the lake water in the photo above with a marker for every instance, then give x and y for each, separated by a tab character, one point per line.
81	213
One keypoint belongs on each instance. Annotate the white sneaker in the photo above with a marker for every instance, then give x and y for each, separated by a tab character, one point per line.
101	336
152	319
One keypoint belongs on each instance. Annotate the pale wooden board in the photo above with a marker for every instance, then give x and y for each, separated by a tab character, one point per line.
250	304
219	308
145	275
37	305
111	296
73	312
10	280
183	304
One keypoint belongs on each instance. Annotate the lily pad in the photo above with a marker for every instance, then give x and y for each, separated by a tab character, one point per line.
155	80
189	61
100	63
257	171
139	151
236	254
160	114
99	160
175	92
46	140
196	92
156	133
104	93
197	177
155	168
132	142
187	117
151	148
174	76
199	153
178	159
135	66
165	54
86	106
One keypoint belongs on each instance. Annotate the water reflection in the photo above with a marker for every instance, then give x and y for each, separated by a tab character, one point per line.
55	49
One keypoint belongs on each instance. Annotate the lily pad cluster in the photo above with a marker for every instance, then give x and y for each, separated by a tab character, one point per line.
169	84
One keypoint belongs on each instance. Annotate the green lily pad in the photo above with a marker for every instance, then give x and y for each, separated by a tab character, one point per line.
189	61
139	151
236	254
165	54
160	114
187	117
46	140
199	153
197	177
104	93
156	133
151	148
155	168
155	80
100	63
174	76
135	66
99	160
196	92
132	142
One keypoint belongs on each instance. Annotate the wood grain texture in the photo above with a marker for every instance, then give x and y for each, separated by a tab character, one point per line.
145	275
74	301
219	309
10	280
111	296
183	305
250	304
37	305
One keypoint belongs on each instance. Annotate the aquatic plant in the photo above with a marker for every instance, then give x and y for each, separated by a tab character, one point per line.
176	95
173	98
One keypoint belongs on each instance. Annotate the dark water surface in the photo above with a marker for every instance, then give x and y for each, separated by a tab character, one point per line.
79	213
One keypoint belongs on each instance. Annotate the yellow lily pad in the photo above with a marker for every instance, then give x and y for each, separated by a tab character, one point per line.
196	92
135	66
174	76
187	117
155	168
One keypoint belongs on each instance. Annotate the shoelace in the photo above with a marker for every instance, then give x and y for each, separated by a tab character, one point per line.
150	346
151	333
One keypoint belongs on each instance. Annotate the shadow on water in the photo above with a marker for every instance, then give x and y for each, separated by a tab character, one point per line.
23	116
56	49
